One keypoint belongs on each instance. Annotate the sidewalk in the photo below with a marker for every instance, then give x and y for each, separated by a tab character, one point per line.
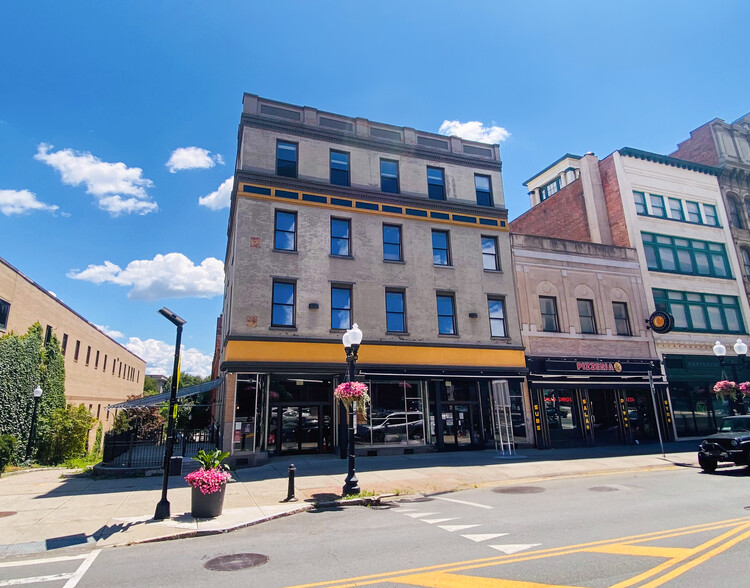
42	510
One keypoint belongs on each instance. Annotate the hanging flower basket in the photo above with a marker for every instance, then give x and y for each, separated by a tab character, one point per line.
726	388
349	392
744	387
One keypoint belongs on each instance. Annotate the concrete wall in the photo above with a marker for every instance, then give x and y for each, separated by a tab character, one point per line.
89	384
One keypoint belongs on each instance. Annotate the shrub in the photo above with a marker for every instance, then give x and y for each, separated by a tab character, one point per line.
64	435
7	447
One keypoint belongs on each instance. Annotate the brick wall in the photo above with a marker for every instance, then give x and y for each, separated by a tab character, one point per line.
613	199
563	216
699	148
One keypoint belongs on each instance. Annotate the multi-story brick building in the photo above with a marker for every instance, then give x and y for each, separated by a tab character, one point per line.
588	353
98	370
672	213
336	220
727	147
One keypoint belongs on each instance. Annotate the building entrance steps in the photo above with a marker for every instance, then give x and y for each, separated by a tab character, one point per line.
50	511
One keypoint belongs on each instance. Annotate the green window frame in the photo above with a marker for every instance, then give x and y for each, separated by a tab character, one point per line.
693	212
640	203
657	205
675	209
548	190
697	312
690	257
709	212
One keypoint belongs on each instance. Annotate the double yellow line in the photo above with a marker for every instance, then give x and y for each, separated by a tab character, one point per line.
679	560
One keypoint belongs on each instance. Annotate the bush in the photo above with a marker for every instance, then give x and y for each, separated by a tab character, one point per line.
97	449
64	435
7	447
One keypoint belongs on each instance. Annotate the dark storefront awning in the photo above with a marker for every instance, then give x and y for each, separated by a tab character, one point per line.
559	381
164	396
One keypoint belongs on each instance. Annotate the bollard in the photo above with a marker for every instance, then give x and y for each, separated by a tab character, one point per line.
290	492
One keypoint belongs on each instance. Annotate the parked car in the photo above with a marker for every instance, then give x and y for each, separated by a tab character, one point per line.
392	426
730	443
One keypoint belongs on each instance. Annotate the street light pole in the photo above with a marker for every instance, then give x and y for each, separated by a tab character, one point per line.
162	508
32	431
351	340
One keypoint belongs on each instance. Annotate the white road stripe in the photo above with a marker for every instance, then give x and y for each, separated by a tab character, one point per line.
465	502
35	579
452	528
33	562
82	569
514	548
416	515
483	537
433	521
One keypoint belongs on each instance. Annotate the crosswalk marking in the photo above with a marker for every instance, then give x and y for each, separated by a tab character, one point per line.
433	521
453	528
514	548
33	562
416	515
36	579
465	502
483	536
72	577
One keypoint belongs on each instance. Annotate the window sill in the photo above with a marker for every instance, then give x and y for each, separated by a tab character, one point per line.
715	277
281	328
398	333
449	336
396	261
488	271
294	251
677	220
503	339
340	256
443	265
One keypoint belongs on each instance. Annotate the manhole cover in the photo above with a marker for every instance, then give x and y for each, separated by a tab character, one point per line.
7	513
603	489
236	561
519	490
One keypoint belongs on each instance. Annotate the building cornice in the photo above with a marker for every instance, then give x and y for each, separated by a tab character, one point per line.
673	161
318	134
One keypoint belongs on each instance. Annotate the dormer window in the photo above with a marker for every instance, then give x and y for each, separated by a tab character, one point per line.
549	189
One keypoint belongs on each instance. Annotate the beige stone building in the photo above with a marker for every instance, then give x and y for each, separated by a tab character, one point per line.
588	350
338	220
98	370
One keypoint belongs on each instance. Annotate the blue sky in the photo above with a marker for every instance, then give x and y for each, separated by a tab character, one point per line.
97	98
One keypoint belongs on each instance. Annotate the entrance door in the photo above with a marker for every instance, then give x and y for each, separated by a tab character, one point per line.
563	415
605	417
460	425
300	429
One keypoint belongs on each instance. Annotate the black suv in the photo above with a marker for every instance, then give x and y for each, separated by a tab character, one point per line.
731	443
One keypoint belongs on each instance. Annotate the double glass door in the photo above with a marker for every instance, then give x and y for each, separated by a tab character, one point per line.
301	428
460	426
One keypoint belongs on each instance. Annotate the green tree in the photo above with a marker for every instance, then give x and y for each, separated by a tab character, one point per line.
195	411
25	362
150	387
147	420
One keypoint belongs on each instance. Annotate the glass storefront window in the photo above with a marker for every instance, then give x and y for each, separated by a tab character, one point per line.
696	411
395	415
250	402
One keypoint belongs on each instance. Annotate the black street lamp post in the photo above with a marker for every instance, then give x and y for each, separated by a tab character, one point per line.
32	431
351	340
162	508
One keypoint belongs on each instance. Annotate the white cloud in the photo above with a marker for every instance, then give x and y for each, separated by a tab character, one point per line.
474	131
22	201
166	276
221	198
192	158
109	332
107	182
159	357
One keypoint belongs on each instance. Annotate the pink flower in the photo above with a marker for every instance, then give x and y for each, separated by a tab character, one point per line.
352	392
745	388
208	481
725	387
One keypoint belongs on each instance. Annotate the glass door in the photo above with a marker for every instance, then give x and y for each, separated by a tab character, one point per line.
300	429
461	426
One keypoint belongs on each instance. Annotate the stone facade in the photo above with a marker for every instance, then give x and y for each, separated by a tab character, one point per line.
98	370
251	343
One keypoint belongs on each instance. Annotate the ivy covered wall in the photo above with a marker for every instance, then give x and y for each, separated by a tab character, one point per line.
25	362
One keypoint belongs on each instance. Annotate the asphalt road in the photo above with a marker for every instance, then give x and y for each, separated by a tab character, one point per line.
675	528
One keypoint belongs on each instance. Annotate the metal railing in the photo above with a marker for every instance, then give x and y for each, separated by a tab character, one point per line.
130	449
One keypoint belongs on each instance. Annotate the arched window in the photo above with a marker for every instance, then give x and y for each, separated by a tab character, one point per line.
747	207
746	262
735	219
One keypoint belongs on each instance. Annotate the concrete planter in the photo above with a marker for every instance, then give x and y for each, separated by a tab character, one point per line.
207	506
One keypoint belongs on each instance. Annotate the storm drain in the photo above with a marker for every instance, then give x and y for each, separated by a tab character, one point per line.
236	561
603	489
7	513
519	490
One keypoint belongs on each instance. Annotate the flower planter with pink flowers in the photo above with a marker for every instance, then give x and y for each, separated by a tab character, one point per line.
208	484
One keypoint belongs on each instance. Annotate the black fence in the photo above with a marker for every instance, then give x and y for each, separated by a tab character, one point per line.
131	448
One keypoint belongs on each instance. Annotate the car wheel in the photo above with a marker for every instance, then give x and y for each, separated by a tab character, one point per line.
707	464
